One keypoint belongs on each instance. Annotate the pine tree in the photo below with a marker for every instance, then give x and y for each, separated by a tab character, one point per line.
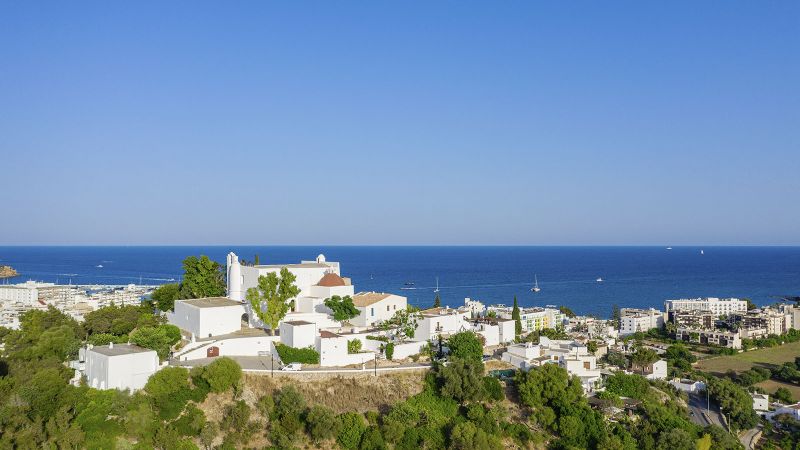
515	315
437	302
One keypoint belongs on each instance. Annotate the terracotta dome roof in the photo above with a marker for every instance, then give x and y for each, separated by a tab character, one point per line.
330	280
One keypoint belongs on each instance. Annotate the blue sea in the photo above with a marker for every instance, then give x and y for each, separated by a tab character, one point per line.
633	276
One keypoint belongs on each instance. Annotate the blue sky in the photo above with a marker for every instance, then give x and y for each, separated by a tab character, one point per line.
400	123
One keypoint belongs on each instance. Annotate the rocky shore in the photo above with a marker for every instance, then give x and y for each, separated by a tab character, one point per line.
7	272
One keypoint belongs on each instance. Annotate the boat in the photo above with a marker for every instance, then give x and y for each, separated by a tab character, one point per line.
669	248
409	283
99	266
599	280
701	252
437	285
407	288
535	287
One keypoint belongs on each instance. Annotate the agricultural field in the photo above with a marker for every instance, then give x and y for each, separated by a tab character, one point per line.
766	357
771	386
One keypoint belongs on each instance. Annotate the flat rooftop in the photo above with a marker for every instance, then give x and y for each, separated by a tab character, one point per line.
297	322
295	266
211	302
119	349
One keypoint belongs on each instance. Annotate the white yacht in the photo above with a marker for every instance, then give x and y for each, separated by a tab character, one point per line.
535	287
599	280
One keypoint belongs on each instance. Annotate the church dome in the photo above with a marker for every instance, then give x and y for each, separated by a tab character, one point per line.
331	280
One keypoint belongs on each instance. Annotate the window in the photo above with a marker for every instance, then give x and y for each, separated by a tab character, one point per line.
372	312
387	308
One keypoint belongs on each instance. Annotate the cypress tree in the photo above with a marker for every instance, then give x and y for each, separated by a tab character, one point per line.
515	315
437	302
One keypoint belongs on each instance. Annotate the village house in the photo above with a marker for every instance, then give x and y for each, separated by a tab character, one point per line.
207	317
119	366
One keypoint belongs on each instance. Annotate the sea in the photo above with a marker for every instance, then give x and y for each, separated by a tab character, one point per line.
631	276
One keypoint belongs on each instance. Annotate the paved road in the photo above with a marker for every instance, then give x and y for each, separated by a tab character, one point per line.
699	414
748	438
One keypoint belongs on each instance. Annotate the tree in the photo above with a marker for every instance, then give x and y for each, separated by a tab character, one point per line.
202	278
643	357
270	300
783	395
343	308
222	374
372	439
437	301
351	428
465	345
462	380
208	434
750	304
321	423
169	391
591	346
736	402
403	323
354	346
515	315
466	436
616	315
164	296
566	311
160	338
43	392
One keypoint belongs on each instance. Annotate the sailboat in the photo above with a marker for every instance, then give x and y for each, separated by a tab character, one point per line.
437	285
701	252
599	279
535	287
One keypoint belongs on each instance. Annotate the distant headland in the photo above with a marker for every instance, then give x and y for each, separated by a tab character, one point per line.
7	272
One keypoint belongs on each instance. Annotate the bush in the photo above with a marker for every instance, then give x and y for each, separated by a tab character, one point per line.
633	386
378	338
321	423
169	390
297	355
354	346
222	374
465	345
493	388
783	395
372	439
351	428
389	351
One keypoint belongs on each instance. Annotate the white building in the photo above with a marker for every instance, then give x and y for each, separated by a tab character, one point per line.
376	307
120	366
475	307
435	322
760	401
298	333
533	319
689	386
207	317
332	350
792	411
639	320
308	273
654	371
722	338
718	306
570	355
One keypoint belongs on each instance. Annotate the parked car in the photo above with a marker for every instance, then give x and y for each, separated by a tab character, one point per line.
293	367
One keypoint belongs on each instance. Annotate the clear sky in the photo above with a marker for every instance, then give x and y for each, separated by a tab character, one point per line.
426	122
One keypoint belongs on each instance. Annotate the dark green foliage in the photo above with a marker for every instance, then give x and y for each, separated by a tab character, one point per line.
466	346
43	392
617	359
202	278
160	338
735	400
117	320
389	350
164	296
169	390
351	428
437	301
493	389
354	346
466	436
752	376
289	407
191	422
783	395
342	307
372	439
321	423
633	386
222	374
462	380
515	315
299	355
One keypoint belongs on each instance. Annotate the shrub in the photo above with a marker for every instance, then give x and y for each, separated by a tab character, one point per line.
297	355
222	374
378	338
321	423
493	388
389	350
169	390
372	439
465	345
633	386
354	346
351	428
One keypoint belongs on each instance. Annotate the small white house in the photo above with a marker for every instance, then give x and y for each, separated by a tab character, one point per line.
119	366
332	350
375	307
689	386
436	322
760	402
207	317
298	333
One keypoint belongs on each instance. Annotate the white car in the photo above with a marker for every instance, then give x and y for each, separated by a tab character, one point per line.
293	367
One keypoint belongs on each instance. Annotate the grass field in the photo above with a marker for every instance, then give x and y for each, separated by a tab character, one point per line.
767	357
771	386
